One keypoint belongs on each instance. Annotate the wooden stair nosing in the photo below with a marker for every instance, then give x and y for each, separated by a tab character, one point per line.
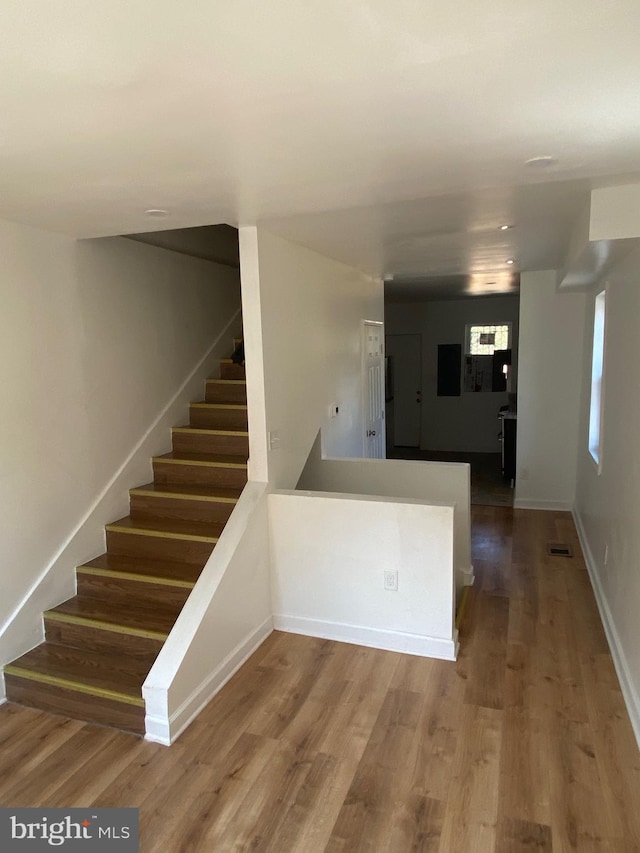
201	461
113	627
69	684
166	529
109	676
136	578
160	491
146	567
225	406
225	381
234	433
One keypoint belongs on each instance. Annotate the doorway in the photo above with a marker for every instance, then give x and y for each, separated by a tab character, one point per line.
404	390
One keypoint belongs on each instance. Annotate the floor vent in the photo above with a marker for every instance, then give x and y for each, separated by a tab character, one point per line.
559	550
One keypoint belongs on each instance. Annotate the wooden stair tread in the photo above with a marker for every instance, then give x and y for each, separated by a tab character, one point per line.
195	491
205	404
164	569
223	459
130	614
96	671
210	430
170	527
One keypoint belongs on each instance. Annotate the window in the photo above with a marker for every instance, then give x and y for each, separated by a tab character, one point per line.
483	340
597	377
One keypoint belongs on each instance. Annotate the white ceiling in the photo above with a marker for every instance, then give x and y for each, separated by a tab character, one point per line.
325	119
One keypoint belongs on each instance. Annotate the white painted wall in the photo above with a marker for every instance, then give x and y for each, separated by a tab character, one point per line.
551	351
615	212
310	314
431	482
102	343
329	554
217	243
468	423
608	504
223	622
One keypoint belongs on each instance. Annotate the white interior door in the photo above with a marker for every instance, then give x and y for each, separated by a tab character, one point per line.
405	352
373	388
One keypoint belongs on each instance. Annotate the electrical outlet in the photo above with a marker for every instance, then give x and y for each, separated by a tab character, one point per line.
606	554
391	580
524	473
334	410
274	440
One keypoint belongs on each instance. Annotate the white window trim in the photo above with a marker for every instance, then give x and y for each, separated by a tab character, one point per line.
595	451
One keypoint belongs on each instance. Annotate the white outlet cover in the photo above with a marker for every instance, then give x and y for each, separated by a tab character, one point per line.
391	580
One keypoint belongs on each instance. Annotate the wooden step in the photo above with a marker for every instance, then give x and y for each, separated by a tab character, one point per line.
218	470
116	577
226	391
193	440
136	626
188	503
167	539
218	415
97	687
229	370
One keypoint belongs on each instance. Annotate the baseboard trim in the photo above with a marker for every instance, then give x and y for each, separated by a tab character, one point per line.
467	575
377	638
631	698
166	730
551	506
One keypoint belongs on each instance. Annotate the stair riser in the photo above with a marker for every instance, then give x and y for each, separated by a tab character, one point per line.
225	392
71	703
218	418
200	475
122	589
147	506
231	371
158	547
196	442
95	639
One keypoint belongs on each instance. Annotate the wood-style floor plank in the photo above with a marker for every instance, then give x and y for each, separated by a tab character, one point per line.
523	744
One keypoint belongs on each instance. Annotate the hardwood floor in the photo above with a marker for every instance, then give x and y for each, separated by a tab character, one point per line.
524	744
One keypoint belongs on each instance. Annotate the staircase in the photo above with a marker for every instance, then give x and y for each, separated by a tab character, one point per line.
101	643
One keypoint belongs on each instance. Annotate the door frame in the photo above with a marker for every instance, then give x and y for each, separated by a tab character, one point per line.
364	383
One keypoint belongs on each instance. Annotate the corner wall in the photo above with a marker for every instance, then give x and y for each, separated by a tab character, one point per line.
308	310
608	504
552	326
97	338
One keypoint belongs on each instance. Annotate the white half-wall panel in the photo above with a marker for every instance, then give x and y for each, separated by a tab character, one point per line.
329	555
431	482
97	337
223	622
608	503
551	349
311	311
468	423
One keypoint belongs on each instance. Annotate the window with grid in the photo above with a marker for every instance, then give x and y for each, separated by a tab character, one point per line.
484	340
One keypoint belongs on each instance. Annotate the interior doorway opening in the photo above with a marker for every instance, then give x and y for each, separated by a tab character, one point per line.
452	378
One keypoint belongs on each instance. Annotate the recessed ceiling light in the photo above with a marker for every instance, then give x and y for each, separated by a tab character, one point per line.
505	227
158	212
544	162
388	277
511	261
